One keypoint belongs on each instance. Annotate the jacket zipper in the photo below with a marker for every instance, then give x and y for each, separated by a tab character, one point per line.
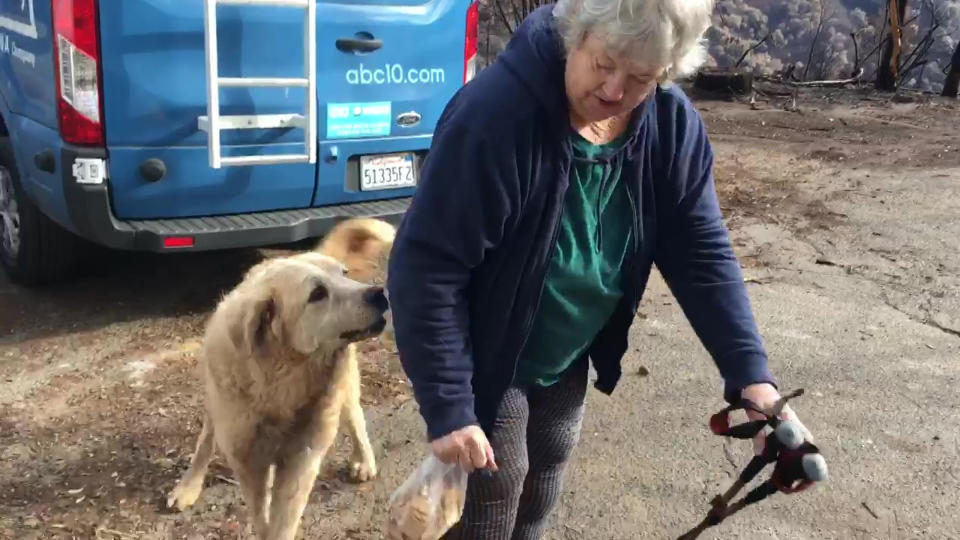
637	225
542	271
637	235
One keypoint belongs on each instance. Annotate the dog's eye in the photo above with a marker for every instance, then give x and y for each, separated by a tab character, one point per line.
318	294
344	271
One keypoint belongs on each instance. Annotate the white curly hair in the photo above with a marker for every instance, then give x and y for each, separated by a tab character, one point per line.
667	33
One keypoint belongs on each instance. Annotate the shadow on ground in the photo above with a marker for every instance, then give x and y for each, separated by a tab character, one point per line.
120	287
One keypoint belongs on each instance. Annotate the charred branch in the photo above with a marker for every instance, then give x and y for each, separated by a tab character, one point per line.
919	55
751	49
873	51
856	50
502	15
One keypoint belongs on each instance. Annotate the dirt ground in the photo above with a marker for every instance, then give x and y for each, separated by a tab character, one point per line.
845	216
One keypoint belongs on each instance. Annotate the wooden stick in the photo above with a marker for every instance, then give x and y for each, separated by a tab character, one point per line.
836	82
227	480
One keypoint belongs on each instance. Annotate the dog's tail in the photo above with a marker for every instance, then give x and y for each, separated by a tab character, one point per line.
362	245
352	234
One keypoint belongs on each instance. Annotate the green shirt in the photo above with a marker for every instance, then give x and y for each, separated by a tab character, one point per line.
583	281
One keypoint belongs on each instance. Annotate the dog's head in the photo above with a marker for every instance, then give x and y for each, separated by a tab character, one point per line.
305	304
363	245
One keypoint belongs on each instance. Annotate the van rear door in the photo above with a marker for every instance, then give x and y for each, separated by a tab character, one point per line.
386	69
154	89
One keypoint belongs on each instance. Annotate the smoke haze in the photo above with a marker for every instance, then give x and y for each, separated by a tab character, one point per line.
792	26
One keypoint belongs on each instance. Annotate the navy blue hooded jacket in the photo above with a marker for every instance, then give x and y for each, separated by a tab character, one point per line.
469	260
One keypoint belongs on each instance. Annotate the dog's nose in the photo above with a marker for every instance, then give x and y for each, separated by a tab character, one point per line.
375	297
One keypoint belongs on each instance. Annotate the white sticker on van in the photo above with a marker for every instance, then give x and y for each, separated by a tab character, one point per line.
395	74
17	16
349	120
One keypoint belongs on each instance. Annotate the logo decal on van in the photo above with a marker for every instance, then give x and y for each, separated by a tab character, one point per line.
351	120
408	119
395	74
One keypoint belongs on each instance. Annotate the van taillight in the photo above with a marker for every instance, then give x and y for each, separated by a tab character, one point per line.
471	42
75	46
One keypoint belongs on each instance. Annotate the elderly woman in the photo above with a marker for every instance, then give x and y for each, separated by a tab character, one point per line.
556	179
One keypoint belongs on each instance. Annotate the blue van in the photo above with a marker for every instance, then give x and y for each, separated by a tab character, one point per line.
179	125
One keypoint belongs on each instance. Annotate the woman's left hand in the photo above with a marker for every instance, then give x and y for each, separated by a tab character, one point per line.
765	396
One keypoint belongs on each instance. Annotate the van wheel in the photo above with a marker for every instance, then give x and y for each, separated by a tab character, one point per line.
34	250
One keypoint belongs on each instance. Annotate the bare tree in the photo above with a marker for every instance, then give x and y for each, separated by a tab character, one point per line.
512	12
816	38
499	20
952	84
888	74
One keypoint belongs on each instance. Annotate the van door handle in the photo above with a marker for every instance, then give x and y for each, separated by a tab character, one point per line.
358	45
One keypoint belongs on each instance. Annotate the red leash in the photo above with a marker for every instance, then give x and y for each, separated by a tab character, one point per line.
798	463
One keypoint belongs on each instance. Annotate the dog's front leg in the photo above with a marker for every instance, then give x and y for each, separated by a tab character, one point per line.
249	447
188	489
363	466
254	476
296	472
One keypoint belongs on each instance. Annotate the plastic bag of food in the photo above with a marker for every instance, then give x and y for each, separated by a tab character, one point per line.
428	503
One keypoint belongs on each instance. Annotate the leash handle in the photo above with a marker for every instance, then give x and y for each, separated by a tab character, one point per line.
720	421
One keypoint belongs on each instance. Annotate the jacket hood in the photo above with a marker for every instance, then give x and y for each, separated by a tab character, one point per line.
535	55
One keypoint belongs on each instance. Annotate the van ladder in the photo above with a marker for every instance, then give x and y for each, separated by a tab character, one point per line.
214	123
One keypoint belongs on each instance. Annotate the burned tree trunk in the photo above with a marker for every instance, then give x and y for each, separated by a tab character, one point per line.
952	85
813	44
888	76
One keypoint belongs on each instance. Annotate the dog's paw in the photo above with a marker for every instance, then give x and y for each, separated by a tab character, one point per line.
184	495
362	472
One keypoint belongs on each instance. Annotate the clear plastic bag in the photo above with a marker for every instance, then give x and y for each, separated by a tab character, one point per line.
428	503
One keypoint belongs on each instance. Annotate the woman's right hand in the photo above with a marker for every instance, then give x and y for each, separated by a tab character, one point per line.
467	446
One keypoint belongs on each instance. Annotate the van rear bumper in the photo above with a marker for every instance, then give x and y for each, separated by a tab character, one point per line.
91	217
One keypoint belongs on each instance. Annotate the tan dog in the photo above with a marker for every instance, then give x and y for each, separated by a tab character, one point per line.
280	370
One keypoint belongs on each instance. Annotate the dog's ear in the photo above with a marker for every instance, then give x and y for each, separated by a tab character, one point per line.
249	330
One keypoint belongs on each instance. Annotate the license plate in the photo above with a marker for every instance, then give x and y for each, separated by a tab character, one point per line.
387	171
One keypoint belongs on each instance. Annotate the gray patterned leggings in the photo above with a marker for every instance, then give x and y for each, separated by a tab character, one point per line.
533	438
